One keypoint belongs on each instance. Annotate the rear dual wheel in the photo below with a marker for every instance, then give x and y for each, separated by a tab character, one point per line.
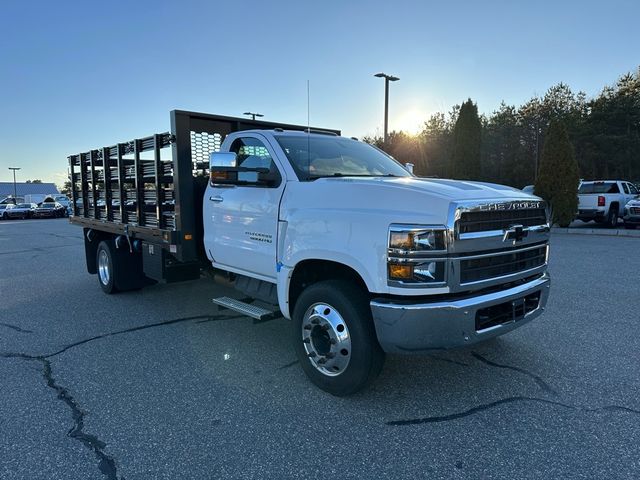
119	270
335	339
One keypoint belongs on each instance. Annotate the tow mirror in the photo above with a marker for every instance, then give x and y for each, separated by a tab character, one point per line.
224	170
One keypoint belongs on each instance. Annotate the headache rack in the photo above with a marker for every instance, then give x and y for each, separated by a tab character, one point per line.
151	188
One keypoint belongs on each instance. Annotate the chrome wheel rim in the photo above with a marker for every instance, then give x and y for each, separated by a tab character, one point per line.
103	267
326	339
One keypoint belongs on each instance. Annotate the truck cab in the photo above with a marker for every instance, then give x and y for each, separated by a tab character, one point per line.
435	263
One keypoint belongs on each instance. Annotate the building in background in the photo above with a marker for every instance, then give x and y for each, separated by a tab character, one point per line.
27	192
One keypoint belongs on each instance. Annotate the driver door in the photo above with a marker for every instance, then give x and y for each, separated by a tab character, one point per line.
241	221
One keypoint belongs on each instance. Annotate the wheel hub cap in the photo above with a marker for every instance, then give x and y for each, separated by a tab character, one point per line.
103	267
326	339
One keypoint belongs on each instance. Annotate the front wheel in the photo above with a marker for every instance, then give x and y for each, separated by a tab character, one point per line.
335	339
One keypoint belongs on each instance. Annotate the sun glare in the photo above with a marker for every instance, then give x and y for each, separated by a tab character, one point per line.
410	121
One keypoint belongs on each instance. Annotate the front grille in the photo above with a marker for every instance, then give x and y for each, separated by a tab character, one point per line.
506	312
634	210
484	268
500	220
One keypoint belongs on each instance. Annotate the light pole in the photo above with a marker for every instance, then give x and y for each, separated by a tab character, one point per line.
253	115
387	79
15	194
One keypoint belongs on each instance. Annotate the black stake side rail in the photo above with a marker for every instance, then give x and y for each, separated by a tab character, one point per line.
100	194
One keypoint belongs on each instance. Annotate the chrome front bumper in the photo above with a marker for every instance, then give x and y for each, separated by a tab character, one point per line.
421	327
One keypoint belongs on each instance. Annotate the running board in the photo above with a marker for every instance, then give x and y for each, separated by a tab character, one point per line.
258	313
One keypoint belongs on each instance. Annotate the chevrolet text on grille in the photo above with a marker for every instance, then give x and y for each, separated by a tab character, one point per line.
509	206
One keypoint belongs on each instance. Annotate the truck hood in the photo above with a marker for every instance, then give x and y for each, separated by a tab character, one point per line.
407	199
442	188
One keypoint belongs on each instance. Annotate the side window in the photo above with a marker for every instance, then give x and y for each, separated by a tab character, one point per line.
632	189
614	188
625	188
252	153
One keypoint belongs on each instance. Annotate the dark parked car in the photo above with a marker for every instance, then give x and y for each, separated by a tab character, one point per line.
21	210
50	210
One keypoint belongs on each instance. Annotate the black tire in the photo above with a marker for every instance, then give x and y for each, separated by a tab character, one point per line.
105	267
612	218
366	356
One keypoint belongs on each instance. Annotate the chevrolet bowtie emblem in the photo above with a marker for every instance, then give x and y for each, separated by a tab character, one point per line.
515	233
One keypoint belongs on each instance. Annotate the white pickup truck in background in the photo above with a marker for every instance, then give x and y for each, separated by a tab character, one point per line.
330	232
604	200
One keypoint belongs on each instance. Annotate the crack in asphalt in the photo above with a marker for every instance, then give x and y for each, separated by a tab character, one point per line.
448	360
488	406
541	383
17	329
206	318
106	463
288	365
215	319
37	249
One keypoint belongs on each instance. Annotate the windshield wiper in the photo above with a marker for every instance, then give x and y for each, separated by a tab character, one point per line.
338	174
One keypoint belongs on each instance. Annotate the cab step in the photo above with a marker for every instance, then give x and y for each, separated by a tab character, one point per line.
253	311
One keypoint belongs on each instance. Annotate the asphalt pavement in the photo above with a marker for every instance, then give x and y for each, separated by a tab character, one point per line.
157	384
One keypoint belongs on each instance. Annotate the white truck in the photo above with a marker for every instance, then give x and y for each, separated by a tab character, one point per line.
363	257
603	200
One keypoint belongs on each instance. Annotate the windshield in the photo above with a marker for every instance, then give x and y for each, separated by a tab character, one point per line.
23	205
316	157
47	205
599	187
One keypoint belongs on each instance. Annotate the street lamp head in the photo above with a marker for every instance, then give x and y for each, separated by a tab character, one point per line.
253	115
390	78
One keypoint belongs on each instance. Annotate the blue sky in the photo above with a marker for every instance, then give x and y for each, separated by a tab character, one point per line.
80	75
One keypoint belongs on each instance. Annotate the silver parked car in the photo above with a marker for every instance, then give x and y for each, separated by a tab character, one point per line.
21	210
632	213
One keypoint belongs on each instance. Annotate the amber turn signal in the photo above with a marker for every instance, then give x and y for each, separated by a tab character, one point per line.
400	272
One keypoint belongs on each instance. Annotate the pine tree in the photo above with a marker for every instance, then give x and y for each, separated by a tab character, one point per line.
558	176
467	143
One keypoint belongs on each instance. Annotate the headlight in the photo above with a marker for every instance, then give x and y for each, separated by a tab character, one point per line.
417	255
416	239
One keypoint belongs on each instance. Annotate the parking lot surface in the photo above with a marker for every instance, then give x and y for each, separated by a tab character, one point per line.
157	384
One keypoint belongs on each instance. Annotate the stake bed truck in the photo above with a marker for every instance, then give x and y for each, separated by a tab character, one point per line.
362	256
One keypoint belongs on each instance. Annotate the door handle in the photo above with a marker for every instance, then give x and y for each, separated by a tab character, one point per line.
216	198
